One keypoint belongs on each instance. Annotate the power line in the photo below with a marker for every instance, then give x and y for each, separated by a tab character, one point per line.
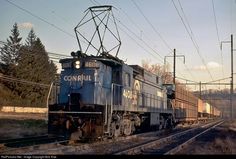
18	80
141	40
19	7
38	17
136	25
138	43
94	2
191	37
56	54
188	24
53	56
43	20
155	30
144	43
217	32
219	80
97	3
167	45
141	45
187	80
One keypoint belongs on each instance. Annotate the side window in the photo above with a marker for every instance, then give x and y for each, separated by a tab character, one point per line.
127	80
116	77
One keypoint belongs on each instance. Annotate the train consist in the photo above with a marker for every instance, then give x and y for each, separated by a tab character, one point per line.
187	107
102	96
206	111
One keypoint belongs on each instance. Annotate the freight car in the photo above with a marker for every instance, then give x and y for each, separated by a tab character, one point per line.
184	103
207	111
187	107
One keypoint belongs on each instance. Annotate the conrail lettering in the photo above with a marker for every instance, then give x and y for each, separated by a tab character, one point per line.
78	78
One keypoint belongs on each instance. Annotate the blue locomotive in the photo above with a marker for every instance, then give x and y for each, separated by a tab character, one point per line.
102	96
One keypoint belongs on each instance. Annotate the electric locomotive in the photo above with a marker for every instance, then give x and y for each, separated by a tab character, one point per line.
100	95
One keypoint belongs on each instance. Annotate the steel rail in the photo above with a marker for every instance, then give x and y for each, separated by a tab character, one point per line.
181	146
142	147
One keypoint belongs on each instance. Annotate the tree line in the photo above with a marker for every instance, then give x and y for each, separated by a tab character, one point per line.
26	61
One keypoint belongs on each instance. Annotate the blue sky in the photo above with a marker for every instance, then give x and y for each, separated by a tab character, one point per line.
161	14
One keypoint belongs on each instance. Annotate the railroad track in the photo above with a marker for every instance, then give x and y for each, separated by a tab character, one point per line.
60	147
107	146
111	146
170	144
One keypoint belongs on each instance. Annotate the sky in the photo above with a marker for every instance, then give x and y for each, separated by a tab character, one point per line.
149	30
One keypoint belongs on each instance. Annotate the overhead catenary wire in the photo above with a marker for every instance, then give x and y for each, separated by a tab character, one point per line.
188	24
192	39
136	36
136	25
217	33
53	56
187	80
138	43
159	34
154	28
219	80
141	40
27	11
141	45
40	18
18	80
185	17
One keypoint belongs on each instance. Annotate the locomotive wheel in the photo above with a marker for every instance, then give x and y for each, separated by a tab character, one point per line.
160	127
127	127
115	129
75	136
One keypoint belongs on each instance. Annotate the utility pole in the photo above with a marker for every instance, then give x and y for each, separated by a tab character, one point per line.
232	74
174	63
200	90
232	77
174	67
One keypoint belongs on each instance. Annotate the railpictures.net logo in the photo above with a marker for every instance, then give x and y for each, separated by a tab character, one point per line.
28	157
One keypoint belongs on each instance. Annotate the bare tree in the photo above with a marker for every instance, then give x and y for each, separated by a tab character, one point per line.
159	71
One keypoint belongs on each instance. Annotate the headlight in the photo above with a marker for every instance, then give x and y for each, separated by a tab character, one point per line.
77	64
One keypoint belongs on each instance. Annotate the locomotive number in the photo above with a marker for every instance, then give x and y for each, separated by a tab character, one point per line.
91	64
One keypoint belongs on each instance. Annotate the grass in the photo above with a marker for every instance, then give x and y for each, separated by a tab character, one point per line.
12	128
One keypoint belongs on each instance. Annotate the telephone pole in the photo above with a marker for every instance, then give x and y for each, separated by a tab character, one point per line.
174	63
174	67
232	77
200	90
232	74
